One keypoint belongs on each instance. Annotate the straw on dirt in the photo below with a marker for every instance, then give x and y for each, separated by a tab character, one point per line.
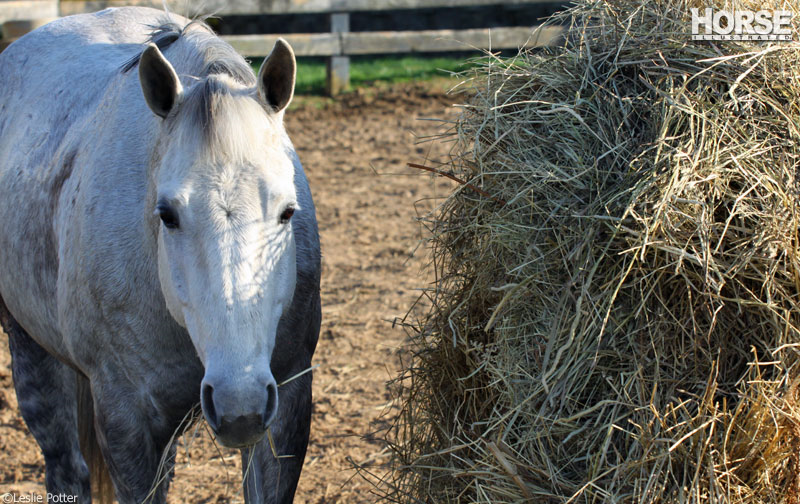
626	327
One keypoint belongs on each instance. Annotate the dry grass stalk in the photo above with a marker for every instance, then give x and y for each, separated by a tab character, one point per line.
626	328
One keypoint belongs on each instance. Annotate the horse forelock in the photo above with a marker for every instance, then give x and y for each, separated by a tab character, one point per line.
225	120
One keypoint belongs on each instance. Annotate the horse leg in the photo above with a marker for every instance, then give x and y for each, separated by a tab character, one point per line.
133	440
47	396
268	479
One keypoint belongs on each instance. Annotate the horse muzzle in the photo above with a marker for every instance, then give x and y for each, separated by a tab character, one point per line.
239	413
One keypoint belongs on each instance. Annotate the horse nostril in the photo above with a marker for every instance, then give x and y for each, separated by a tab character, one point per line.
272	404
207	402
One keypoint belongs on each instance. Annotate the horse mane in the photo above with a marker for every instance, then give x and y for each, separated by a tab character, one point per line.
212	54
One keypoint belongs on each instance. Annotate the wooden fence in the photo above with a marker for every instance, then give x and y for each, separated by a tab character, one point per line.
339	43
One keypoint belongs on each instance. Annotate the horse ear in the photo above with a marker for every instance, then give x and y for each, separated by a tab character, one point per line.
159	81
276	77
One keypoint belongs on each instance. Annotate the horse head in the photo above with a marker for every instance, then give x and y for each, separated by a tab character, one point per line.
222	184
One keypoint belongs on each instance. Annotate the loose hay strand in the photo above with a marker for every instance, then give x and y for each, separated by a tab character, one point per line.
626	326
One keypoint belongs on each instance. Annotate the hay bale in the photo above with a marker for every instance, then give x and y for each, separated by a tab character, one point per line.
624	326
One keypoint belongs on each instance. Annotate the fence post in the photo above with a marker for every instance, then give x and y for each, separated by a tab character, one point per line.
338	66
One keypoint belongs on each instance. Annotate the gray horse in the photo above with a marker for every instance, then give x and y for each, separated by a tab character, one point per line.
158	248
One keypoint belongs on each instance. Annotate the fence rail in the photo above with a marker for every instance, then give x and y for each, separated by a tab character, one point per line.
236	7
388	42
337	45
27	9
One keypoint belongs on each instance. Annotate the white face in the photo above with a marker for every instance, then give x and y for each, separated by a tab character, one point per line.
227	254
226	259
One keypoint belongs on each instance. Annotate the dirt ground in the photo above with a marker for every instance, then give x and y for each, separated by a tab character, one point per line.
354	152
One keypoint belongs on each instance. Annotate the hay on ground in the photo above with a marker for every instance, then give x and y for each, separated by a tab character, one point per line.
624	325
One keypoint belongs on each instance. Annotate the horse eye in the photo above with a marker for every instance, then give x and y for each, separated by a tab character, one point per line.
168	217
287	214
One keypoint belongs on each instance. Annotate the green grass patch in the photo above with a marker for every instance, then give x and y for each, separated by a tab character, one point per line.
366	71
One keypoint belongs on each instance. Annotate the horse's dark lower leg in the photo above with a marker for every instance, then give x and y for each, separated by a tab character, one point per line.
46	393
274	480
133	439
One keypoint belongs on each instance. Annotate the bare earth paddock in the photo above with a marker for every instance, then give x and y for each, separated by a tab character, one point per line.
354	152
